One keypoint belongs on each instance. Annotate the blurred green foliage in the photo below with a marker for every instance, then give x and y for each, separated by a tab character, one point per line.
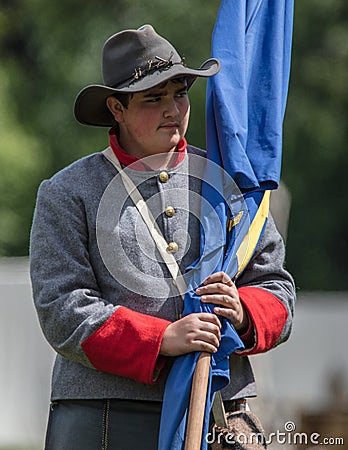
50	50
315	159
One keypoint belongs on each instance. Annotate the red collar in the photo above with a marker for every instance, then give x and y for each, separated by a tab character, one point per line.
127	159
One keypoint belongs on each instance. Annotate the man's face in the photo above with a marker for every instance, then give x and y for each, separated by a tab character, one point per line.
155	120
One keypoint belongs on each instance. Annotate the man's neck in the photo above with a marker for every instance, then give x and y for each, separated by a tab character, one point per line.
153	162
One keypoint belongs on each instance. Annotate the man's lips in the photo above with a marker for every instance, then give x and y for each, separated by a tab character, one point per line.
170	125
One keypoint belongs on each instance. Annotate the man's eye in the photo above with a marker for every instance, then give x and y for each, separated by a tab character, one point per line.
153	100
181	94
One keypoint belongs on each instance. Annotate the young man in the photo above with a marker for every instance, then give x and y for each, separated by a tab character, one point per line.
105	299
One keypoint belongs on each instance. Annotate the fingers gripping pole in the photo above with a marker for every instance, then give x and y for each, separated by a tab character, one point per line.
197	403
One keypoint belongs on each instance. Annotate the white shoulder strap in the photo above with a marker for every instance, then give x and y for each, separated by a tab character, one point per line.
150	222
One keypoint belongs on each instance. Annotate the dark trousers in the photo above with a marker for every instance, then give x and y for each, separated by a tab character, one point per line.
103	424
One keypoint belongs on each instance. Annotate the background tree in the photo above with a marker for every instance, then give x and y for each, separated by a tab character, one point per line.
315	150
50	50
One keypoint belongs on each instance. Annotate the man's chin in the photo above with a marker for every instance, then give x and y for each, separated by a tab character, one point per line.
170	145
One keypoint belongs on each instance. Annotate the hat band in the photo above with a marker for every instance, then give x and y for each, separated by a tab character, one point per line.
152	66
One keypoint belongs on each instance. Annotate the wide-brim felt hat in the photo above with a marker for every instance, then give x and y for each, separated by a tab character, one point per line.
133	61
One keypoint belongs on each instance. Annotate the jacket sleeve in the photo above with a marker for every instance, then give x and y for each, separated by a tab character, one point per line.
267	292
77	322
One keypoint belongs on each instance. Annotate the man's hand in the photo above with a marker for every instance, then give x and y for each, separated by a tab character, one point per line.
196	332
220	290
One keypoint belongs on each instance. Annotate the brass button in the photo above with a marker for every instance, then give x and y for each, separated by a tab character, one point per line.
172	247
163	176
169	211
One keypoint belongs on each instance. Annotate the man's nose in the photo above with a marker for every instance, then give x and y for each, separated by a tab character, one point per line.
171	107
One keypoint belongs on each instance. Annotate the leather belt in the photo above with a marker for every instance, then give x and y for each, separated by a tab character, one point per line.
235	405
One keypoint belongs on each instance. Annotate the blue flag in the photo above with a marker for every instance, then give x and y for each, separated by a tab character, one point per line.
245	110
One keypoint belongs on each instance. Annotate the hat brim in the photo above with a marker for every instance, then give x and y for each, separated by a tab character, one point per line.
90	104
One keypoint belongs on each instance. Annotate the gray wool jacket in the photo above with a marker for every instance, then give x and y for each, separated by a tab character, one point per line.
91	253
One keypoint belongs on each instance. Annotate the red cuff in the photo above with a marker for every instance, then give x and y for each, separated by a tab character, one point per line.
128	345
267	314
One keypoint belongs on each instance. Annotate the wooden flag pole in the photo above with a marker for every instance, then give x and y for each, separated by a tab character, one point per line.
197	403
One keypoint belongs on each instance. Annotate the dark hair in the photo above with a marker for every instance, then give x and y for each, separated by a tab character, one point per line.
124	98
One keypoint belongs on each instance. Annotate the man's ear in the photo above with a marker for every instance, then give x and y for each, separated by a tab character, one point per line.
116	108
